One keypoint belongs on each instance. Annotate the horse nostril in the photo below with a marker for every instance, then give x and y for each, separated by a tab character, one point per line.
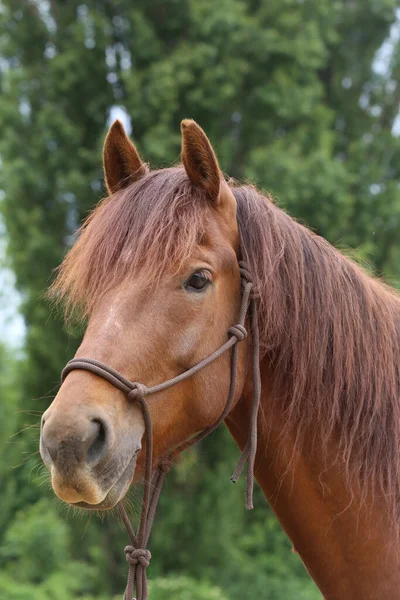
48	446
45	417
98	444
69	442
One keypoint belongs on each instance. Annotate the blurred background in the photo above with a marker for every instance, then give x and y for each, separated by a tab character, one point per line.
300	97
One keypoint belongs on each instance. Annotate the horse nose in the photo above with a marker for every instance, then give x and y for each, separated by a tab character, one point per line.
80	441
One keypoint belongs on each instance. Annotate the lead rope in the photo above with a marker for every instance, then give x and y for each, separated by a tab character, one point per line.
137	555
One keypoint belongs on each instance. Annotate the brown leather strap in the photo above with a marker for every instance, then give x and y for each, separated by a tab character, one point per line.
137	555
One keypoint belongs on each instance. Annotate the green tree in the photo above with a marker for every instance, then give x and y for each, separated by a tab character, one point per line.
289	97
184	588
10	449
35	558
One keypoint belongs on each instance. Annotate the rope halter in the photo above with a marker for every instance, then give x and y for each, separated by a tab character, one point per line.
136	553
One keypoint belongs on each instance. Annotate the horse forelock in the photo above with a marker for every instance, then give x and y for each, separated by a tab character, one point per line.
141	231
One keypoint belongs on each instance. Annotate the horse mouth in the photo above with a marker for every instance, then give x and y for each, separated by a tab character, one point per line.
116	493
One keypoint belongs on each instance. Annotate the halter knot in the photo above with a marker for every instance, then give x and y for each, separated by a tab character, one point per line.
139	390
136	556
254	293
239	332
165	465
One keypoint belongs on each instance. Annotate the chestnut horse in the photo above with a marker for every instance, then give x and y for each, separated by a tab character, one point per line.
155	271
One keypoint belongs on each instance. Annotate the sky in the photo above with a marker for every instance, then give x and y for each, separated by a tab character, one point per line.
12	327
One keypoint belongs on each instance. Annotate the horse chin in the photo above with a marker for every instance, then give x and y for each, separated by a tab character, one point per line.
116	493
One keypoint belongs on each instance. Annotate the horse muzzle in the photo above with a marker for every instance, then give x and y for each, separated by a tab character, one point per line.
88	467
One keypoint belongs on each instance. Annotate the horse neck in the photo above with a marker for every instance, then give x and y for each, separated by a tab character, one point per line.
345	540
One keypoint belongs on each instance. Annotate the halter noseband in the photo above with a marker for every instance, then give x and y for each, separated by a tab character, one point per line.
137	554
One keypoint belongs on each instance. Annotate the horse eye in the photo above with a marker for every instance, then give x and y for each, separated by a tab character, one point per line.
198	281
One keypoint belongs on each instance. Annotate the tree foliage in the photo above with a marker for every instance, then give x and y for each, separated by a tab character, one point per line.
297	96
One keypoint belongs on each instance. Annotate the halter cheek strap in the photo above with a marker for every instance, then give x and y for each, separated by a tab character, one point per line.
136	553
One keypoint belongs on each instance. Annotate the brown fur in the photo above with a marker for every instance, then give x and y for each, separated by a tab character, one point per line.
199	159
330	332
121	161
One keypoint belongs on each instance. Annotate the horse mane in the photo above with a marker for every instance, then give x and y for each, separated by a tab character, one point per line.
330	331
332	335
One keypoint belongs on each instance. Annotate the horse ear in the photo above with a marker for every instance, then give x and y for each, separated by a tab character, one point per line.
202	168
121	161
199	159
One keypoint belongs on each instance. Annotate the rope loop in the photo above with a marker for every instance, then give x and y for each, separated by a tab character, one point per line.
139	390
245	272
238	331
136	556
254	293
247	277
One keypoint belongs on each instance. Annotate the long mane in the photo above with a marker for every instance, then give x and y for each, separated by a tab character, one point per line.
332	335
330	331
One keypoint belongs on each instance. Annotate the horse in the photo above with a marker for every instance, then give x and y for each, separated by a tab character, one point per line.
155	273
